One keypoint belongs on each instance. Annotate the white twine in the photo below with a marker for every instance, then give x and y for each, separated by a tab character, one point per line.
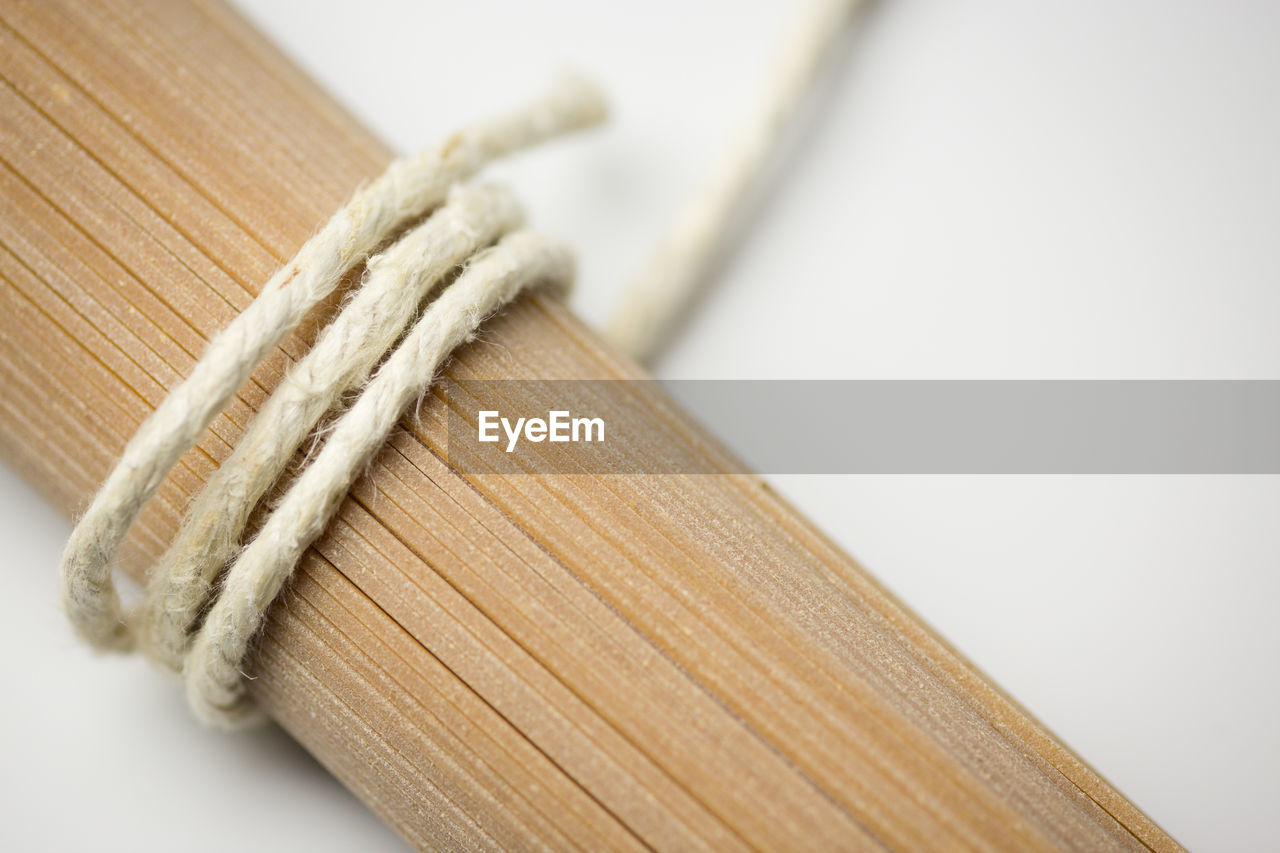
652	306
212	668
370	322
461	232
394	286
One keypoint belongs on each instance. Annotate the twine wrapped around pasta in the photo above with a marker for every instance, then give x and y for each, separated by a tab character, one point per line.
204	571
460	233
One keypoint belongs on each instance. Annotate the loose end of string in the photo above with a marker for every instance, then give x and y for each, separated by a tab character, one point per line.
654	304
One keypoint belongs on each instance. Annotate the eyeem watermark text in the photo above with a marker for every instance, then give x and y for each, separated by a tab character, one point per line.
558	426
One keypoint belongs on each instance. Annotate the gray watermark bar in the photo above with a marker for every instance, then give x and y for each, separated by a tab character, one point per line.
865	427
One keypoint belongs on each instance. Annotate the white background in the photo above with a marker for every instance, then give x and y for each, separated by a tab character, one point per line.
989	190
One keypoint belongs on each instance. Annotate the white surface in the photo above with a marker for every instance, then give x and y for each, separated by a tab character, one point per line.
992	189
